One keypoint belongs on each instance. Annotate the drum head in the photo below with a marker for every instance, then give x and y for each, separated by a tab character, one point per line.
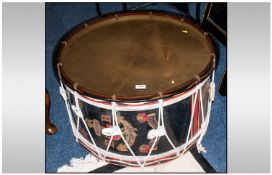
134	56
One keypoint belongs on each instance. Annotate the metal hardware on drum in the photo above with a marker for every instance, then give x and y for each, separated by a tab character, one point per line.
138	86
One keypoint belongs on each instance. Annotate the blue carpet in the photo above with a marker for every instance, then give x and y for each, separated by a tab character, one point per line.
61	147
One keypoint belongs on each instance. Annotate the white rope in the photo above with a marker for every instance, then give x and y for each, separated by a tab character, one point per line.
136	159
199	146
64	96
151	149
113	123
79	114
137	165
201	106
213	75
162	119
140	158
86	127
160	131
191	122
205	122
116	126
157	136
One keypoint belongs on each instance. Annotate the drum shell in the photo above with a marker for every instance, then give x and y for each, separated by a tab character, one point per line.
135	125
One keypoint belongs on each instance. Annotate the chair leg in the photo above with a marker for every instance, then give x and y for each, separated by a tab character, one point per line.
223	85
124	6
198	12
98	11
182	7
50	129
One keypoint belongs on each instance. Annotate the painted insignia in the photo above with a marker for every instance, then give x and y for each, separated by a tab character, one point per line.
107	142
106	118
151	120
142	117
145	148
129	133
95	125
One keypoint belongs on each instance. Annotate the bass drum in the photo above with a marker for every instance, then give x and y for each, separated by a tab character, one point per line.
138	86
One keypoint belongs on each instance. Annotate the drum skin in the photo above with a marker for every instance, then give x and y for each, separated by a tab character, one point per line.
107	68
111	55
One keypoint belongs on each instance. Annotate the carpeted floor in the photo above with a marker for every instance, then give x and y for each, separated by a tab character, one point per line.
61	147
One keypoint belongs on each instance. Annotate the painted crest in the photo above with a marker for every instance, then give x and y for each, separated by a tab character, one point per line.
151	120
129	133
95	125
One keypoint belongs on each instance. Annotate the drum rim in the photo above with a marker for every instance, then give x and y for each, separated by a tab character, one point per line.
149	97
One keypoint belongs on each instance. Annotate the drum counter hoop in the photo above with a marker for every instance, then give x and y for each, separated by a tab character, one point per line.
138	86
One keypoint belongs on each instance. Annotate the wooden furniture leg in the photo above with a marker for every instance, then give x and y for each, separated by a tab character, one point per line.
223	85
50	129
